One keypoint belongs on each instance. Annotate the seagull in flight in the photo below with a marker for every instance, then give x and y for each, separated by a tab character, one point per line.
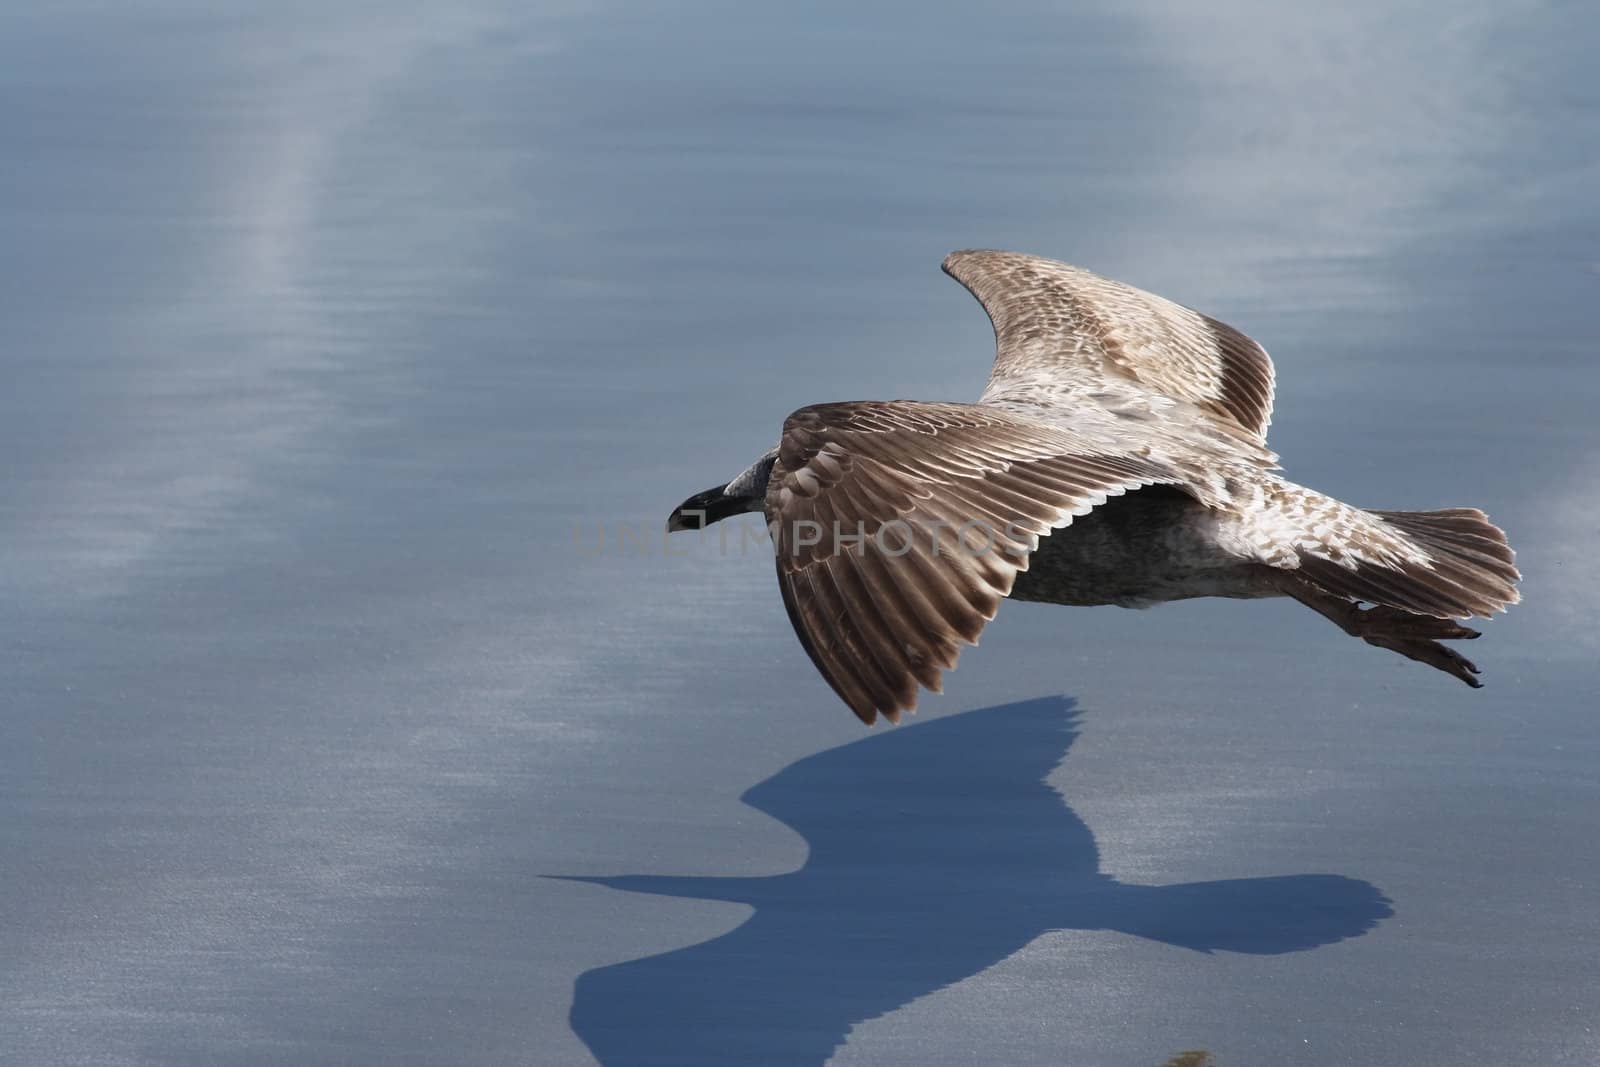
1118	456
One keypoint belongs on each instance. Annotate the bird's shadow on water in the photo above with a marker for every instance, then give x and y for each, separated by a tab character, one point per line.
936	851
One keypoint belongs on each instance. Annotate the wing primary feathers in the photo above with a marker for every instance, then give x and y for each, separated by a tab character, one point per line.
872	504
1062	331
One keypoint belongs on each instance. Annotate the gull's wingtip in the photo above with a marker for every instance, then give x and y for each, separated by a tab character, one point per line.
954	259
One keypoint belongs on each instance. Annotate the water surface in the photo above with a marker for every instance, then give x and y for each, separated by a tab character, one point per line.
326	328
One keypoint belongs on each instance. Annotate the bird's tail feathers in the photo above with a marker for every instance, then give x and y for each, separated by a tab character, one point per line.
1463	566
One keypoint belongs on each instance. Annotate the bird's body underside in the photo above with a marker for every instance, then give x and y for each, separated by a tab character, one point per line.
1118	456
1142	548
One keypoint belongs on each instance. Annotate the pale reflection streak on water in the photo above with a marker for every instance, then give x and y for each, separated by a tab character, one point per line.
1312	206
240	369
237	366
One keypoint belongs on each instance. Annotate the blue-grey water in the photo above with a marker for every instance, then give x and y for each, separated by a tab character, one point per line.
355	710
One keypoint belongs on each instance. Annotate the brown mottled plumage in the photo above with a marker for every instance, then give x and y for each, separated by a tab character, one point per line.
899	525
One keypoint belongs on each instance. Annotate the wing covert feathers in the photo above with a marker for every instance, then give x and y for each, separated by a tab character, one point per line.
1060	328
900	526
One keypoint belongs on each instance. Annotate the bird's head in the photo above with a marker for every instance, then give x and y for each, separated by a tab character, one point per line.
747	492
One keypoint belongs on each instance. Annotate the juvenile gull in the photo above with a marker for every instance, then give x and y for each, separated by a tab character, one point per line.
1117	456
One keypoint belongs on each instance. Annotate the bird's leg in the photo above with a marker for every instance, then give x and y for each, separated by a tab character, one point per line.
1412	635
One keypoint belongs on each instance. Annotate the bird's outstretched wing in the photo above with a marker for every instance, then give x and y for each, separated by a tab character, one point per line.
899	527
1056	324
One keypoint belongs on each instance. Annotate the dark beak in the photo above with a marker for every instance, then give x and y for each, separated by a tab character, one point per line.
702	509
